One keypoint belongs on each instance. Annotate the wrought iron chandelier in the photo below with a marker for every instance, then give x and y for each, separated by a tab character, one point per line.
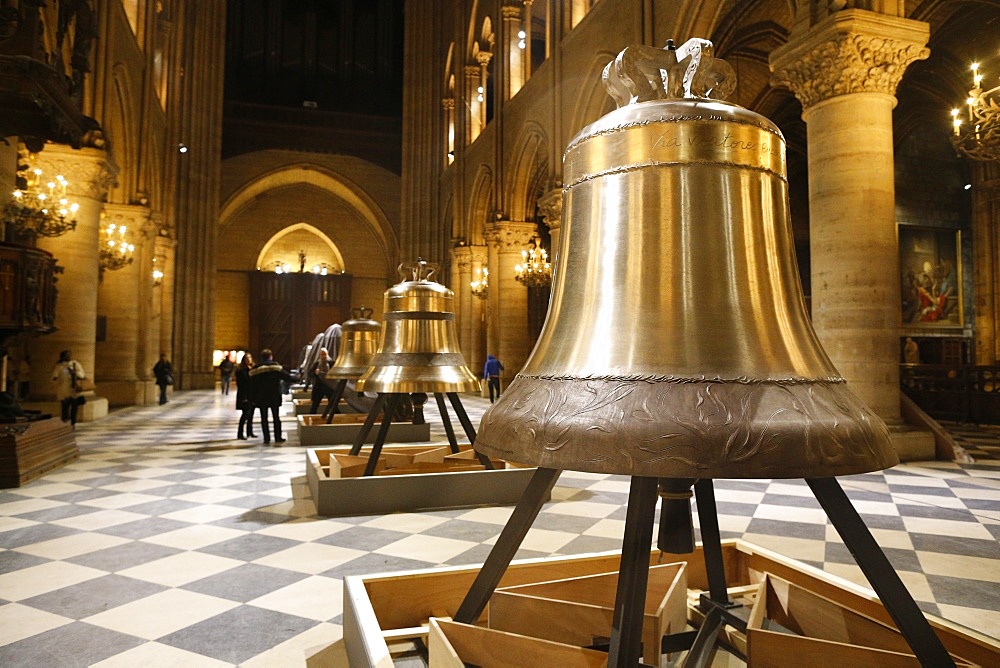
481	285
979	137
116	251
534	269
39	207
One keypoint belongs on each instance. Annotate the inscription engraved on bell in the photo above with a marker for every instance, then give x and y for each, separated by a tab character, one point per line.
677	342
418	346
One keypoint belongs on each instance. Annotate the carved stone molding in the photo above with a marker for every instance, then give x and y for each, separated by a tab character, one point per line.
480	255
511	12
852	51
89	171
509	236
550	206
462	258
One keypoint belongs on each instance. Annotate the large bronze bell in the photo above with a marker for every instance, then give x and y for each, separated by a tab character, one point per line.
677	342
418	346
358	344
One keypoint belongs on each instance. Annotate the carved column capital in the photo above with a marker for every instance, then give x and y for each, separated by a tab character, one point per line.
851	51
510	12
480	255
135	217
90	171
448	103
462	258
550	206
509	236
483	58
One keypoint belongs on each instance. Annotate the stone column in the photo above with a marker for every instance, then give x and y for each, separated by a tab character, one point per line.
475	114
461	272
550	206
477	318
197	112
123	301
510	27
89	174
159	334
986	260
507	326
845	70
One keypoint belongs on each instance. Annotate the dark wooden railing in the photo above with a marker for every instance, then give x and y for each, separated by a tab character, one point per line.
960	393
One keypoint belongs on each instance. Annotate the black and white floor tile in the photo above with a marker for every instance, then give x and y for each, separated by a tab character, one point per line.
172	543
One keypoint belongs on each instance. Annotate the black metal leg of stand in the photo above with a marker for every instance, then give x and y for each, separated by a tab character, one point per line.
470	431
446	421
711	542
881	575
383	431
366	428
525	512
334	400
633	574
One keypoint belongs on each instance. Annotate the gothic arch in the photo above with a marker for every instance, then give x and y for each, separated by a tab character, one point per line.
121	132
335	184
338	264
480	205
529	172
593	101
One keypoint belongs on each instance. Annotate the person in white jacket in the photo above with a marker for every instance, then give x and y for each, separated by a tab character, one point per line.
65	375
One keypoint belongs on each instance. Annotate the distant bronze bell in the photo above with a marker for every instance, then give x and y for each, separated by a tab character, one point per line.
677	342
358	344
418	348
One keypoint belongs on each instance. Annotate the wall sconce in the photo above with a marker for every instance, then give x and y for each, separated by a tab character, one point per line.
157	275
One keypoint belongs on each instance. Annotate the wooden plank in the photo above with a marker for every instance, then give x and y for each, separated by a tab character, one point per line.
451	642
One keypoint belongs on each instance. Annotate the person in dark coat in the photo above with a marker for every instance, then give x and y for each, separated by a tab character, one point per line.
265	381
244	397
226	368
317	375
164	376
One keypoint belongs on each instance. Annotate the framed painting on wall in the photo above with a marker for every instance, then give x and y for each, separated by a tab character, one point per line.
931	271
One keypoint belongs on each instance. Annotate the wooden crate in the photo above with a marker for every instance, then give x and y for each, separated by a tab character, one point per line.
408	478
313	430
29	450
389	608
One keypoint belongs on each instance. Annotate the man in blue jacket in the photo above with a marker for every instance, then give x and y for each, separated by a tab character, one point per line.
491	373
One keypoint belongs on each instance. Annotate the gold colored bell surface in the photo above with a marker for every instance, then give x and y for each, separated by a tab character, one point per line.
677	341
358	344
418	346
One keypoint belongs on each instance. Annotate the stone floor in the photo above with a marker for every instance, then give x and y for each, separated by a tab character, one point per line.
172	543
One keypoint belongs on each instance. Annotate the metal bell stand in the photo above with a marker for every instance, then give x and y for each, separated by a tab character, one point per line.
625	647
390	402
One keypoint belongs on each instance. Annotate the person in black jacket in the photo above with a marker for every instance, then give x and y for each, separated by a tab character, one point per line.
244	397
265	384
164	376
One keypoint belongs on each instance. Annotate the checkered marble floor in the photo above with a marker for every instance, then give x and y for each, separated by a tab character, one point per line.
171	543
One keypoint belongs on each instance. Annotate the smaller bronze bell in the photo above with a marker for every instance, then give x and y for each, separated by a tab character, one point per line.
358	344
418	348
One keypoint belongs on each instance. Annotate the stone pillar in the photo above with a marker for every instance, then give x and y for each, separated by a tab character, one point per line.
475	117
477	317
198	109
461	275
89	174
159	334
516	69
845	70
117	354
986	260
507	324
550	206
448	105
